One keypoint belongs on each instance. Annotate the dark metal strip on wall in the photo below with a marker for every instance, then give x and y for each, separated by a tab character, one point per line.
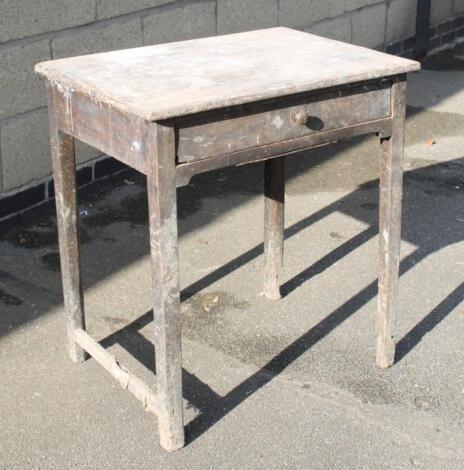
422	28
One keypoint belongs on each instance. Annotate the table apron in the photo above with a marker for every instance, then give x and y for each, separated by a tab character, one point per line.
121	135
100	125
185	171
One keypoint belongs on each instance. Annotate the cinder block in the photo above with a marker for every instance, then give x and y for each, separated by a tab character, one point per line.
351	5
335	28
21	90
458	7
177	23
245	15
23	18
25	144
25	149
300	14
118	35
368	26
401	19
441	10
84	152
111	8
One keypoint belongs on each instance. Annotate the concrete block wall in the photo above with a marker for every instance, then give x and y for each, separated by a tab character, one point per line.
32	31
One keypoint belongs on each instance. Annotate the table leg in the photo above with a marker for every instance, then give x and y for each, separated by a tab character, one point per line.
64	174
274	192
161	180
391	180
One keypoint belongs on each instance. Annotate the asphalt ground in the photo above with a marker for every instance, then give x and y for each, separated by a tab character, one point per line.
267	384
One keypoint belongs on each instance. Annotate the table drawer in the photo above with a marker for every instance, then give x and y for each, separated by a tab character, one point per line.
249	126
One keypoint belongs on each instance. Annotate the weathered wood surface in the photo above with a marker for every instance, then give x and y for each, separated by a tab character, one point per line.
274	207
120	135
100	125
391	180
219	133
126	379
159	145
172	80
64	174
185	171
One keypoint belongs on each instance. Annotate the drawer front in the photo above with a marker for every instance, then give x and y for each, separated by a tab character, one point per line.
213	134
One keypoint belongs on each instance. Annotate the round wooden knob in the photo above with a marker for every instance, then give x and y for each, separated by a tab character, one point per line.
301	117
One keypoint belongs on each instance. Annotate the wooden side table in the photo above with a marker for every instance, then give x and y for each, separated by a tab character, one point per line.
174	110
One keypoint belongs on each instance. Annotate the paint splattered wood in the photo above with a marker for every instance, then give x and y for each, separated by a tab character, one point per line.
274	200
391	190
172	80
276	120
64	174
159	146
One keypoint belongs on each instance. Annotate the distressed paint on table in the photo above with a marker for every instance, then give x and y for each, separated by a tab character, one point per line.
280	120
136	105
391	189
172	80
274	203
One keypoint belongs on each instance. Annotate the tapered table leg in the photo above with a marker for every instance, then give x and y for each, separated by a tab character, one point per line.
160	157
274	195
64	174
391	180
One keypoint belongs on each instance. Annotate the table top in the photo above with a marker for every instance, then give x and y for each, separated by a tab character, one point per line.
180	78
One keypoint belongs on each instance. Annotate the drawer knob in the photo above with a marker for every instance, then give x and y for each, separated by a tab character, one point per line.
301	117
